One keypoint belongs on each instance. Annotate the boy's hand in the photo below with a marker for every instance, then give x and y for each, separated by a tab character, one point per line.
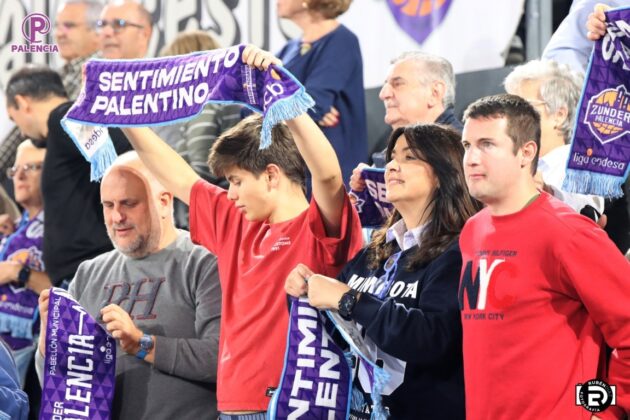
296	284
260	59
596	23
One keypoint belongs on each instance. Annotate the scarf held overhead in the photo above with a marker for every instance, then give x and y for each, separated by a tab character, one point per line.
80	363
600	149
151	92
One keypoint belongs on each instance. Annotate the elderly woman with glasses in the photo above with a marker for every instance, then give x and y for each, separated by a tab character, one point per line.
401	289
22	271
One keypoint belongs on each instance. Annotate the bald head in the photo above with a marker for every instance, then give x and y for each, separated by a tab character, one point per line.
138	210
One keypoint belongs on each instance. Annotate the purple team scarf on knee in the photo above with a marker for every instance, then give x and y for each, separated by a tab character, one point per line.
600	152
125	93
316	379
371	204
80	363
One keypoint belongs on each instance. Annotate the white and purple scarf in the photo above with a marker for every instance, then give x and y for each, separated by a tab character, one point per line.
151	92
599	161
80	363
19	312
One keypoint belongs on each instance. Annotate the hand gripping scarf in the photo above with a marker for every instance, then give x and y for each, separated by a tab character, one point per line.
600	150
126	93
80	363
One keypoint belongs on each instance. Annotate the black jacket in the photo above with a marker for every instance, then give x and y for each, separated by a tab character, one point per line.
74	229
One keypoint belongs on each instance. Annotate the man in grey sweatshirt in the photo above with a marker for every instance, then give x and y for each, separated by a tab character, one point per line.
158	295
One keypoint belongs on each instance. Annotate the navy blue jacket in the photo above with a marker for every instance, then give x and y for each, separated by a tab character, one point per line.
332	73
418	327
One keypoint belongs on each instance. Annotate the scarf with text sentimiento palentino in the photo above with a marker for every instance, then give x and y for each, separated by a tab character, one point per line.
80	363
599	161
152	92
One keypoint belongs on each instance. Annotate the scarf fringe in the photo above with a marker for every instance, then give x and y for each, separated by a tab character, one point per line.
102	159
17	326
585	182
381	377
282	110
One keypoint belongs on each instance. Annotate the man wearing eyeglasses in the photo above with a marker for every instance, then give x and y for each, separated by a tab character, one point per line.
124	30
74	31
22	271
77	39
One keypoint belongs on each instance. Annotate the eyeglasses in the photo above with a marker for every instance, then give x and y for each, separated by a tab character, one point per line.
384	282
26	168
116	24
67	26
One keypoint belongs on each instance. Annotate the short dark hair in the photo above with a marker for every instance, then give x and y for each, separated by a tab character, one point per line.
451	204
240	147
37	82
523	121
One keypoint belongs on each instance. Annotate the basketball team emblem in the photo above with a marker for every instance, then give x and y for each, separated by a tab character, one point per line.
418	18
608	114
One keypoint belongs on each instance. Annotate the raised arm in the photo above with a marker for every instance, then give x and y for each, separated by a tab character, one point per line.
320	157
168	167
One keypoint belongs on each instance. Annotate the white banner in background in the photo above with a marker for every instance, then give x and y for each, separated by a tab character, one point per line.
473	35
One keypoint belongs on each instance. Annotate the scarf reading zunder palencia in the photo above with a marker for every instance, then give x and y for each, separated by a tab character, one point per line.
151	92
600	150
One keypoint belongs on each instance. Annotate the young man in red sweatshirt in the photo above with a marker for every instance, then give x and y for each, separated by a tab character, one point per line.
543	289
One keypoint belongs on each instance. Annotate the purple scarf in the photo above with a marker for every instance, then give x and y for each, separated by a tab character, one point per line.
371	204
18	305
316	379
123	93
600	152
80	363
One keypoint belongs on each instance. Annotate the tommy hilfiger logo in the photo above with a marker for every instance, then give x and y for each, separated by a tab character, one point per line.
282	241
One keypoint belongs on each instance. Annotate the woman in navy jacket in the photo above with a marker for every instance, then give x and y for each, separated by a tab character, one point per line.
402	288
327	60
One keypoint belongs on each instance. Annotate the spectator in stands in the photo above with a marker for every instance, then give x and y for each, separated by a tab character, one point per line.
420	88
124	30
259	228
327	60
543	289
74	228
74	34
77	39
193	138
158	294
402	288
22	269
554	91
